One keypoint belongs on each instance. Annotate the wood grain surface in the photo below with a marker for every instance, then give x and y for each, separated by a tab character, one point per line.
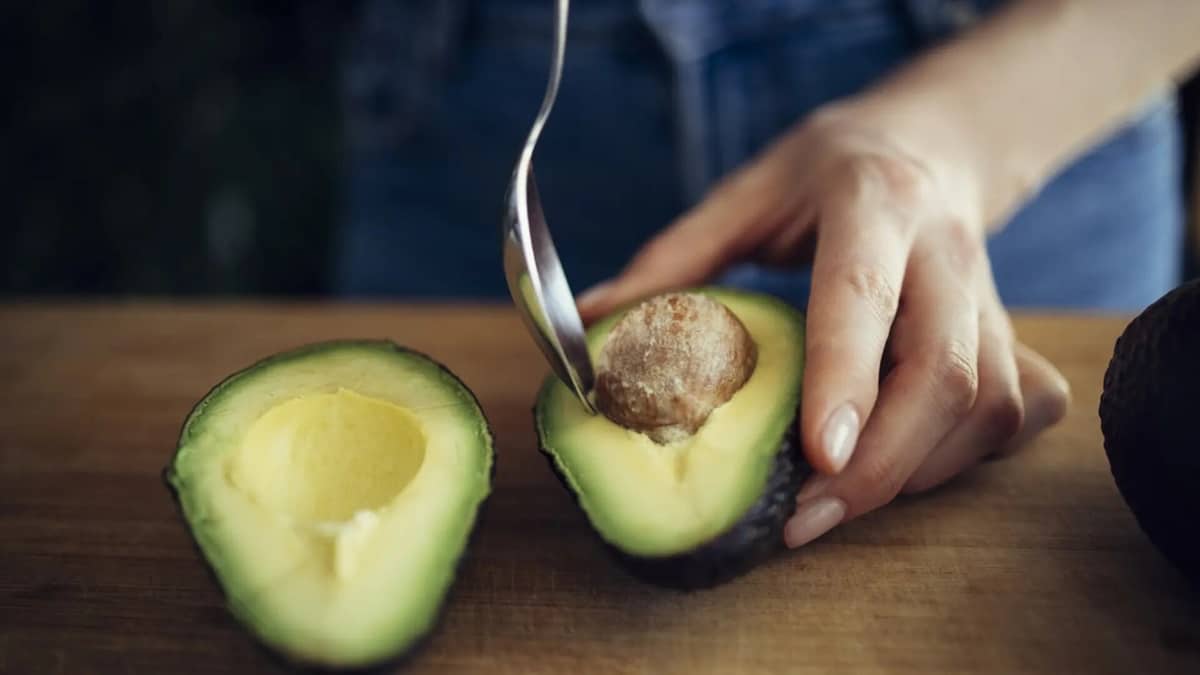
1027	565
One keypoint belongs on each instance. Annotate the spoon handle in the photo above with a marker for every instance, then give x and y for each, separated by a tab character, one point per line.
556	67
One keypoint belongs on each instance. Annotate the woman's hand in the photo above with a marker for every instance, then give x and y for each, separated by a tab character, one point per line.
912	371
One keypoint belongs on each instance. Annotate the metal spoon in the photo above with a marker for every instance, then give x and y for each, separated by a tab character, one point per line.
531	265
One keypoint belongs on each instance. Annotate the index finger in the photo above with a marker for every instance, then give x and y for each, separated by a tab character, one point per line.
858	271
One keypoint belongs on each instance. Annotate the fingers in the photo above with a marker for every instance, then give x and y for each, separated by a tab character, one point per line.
1047	395
733	221
998	413
1020	395
857	274
932	387
1042	397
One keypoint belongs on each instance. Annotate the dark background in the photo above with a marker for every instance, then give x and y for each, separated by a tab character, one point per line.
179	147
170	147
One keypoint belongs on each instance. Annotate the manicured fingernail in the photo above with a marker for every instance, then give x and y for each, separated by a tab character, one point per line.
841	433
594	294
813	519
813	487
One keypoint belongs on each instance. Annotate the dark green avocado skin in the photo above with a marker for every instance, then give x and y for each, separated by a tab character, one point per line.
1150	418
756	536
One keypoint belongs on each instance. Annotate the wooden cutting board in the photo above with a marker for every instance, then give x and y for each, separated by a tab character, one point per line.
1026	565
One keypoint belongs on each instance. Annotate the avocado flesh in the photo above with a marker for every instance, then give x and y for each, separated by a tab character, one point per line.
706	508
332	491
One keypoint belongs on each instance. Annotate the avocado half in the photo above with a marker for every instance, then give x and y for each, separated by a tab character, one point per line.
1148	416
332	491
705	510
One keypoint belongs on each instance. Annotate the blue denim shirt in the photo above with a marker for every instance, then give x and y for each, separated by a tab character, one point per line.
660	98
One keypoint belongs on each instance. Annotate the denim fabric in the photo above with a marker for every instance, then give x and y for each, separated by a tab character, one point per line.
659	99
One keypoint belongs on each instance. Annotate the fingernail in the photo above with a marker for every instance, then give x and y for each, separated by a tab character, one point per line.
841	433
813	487
593	295
813	519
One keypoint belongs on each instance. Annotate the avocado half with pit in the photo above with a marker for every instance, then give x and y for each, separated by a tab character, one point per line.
706	509
332	491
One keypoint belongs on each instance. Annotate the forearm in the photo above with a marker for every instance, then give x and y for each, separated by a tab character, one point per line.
1015	99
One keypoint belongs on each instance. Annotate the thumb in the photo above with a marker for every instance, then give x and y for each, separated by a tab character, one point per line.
730	224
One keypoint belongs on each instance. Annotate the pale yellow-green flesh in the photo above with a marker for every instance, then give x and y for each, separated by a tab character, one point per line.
657	500
333	493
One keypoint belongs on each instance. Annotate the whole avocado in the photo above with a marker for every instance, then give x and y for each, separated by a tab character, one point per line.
1148	415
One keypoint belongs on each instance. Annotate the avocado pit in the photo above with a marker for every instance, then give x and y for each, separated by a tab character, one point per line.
669	362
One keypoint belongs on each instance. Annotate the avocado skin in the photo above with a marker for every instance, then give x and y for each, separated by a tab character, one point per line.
1149	415
404	656
747	543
